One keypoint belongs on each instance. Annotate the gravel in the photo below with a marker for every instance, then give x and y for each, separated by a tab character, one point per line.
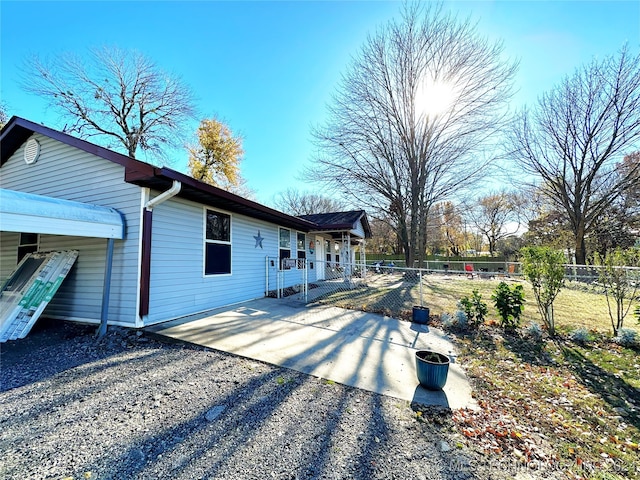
131	406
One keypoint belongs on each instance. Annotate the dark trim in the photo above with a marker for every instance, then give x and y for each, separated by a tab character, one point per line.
18	130
162	178
145	266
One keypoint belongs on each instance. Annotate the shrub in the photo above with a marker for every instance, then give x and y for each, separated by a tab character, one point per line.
509	303
474	308
461	319
580	335
620	283
447	320
626	337
534	331
543	267
457	320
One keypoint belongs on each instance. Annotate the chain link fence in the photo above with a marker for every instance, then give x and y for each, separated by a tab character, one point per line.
392	290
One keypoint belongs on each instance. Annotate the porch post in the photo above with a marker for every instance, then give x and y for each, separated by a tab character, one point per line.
106	289
363	257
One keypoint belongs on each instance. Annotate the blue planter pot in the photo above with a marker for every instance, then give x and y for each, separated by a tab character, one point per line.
420	315
432	369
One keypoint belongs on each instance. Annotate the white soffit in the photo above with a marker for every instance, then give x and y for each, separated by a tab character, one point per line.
29	213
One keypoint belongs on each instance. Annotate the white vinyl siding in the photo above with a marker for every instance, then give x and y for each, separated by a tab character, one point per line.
177	284
359	230
65	172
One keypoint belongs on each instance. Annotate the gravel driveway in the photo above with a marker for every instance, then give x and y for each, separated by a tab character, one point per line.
130	407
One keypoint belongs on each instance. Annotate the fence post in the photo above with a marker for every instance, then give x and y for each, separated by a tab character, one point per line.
420	280
278	273
266	276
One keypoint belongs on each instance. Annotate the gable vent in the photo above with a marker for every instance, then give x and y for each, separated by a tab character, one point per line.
31	151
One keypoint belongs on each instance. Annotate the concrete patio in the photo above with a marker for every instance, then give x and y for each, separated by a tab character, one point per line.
360	349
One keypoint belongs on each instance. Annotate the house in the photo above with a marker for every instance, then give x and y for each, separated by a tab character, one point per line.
173	246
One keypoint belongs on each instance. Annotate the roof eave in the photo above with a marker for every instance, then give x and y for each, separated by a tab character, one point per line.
161	179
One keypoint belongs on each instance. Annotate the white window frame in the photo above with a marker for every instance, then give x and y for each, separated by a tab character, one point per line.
302	261
219	242
280	248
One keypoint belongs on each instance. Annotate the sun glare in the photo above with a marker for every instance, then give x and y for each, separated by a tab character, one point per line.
433	98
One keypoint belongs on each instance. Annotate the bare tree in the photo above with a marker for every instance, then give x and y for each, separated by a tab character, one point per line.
411	116
119	96
296	202
496	216
619	224
576	134
4	118
384	239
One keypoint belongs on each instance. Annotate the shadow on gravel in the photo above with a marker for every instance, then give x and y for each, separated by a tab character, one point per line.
17	356
210	448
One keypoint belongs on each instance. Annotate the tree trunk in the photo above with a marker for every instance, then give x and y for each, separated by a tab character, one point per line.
581	252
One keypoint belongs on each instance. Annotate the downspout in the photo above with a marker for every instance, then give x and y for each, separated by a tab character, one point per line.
164	196
147	221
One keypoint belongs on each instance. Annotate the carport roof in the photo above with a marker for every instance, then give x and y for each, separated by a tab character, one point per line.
29	213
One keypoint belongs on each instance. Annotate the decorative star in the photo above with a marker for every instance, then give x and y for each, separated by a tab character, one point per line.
258	240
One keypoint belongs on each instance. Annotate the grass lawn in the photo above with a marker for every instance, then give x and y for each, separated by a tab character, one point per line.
391	295
549	404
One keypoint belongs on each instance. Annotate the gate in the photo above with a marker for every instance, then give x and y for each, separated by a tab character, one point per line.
287	278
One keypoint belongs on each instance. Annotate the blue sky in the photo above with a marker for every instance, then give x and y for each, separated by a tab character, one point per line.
268	69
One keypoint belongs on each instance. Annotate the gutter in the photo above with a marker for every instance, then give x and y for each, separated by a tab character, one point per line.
164	196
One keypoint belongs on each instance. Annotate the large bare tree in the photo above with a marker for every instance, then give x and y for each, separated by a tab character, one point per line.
118	96
410	118
296	202
576	134
496	216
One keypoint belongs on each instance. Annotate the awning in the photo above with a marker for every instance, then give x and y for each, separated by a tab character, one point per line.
29	213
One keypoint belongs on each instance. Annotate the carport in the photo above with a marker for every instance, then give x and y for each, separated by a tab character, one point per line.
28	213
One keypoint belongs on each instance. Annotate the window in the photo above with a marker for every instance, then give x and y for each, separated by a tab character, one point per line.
28	243
217	244
285	248
327	248
301	245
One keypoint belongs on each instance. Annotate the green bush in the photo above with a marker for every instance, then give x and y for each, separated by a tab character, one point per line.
620	283
474	308
509	303
543	267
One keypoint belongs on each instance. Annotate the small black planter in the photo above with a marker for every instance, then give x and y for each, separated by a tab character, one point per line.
432	369
420	314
